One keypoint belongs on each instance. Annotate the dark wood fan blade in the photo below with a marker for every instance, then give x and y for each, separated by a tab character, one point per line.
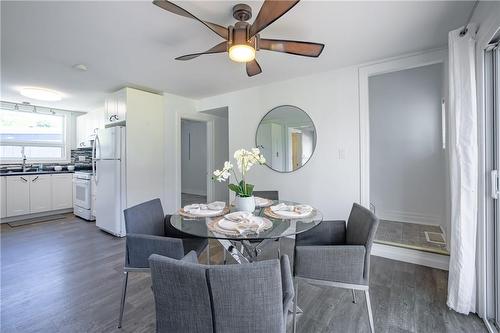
306	49
219	48
270	11
253	68
173	8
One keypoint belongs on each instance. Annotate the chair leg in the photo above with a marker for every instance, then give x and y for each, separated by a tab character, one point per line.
370	315
354	296
208	253
225	255
295	297
279	248
122	304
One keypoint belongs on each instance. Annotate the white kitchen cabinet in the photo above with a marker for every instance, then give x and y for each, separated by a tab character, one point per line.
18	195
40	188
87	126
3	197
62	191
116	106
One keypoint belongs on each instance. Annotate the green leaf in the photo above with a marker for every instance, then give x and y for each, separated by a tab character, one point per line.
234	188
249	190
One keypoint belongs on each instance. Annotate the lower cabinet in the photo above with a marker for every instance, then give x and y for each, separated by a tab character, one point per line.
62	191
3	197
40	190
22	195
18	195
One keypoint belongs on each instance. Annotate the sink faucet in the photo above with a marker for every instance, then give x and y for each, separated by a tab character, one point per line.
24	159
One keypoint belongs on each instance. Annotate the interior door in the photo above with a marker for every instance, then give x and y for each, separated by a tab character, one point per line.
296	150
277	146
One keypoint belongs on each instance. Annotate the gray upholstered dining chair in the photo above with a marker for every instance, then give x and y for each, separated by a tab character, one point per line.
271	195
195	298
337	255
148	232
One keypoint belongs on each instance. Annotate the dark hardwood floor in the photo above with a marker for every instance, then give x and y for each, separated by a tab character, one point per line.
65	276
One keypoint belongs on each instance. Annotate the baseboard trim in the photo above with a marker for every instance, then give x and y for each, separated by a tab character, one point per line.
433	260
30	216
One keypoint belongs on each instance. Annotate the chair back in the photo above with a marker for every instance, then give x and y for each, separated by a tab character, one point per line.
235	298
271	195
361	228
145	218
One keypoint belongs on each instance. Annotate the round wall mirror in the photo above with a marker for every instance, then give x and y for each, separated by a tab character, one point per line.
286	137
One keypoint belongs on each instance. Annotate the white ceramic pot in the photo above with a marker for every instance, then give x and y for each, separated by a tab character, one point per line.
245	204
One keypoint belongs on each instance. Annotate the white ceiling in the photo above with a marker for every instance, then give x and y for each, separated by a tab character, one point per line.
126	43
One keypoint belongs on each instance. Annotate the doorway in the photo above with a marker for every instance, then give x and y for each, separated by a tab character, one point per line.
193	162
408	168
416	124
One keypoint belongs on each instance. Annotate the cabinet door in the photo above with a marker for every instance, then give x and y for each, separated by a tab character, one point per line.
121	104
40	189
3	197
111	109
18	195
62	191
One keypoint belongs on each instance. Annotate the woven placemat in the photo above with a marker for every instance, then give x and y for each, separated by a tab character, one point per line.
182	212
213	226
270	213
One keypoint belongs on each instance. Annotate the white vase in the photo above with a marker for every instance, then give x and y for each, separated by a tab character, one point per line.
245	204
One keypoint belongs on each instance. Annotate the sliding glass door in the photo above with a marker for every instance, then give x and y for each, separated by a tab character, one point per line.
492	99
496	107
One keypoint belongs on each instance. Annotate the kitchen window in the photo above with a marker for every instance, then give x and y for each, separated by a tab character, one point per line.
41	136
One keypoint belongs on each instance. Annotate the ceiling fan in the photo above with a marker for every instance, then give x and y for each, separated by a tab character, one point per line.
242	40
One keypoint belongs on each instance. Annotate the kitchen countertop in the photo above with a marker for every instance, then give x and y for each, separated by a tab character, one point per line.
28	173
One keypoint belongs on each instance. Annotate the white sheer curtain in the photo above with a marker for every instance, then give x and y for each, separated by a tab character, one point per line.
464	171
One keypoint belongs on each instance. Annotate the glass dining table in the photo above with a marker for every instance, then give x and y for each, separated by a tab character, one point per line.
247	247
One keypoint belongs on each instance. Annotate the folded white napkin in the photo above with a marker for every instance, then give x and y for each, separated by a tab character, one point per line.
205	209
261	202
242	222
291	210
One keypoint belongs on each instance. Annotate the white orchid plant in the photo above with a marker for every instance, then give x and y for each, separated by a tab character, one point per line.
245	159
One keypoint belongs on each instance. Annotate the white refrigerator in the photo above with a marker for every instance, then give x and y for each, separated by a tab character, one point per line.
110	180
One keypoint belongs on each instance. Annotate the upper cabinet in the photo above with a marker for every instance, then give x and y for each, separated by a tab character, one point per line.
116	107
87	126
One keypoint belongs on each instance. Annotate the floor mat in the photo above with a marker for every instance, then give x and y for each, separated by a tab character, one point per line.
36	220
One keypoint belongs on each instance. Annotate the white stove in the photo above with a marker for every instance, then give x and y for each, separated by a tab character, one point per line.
83	194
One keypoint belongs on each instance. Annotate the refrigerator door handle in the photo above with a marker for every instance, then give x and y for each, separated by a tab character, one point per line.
97	143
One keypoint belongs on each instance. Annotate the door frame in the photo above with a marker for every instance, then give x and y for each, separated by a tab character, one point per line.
209	121
396	64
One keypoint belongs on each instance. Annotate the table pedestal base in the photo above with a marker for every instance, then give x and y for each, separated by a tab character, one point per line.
245	251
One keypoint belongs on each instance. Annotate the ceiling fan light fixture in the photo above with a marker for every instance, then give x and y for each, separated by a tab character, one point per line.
241	53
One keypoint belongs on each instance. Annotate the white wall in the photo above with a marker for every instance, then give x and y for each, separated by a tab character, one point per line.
407	161
145	153
173	106
219	119
330	180
194	157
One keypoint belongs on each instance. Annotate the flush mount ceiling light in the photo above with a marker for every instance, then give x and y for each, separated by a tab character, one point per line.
242	39
241	53
41	94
